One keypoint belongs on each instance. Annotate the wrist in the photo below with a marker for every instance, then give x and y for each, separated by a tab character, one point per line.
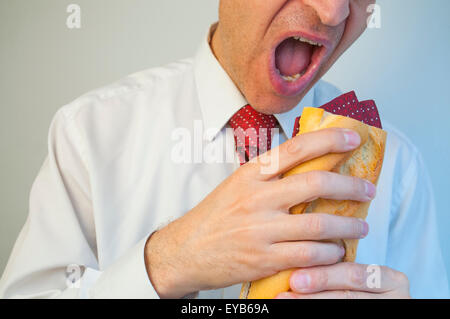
166	280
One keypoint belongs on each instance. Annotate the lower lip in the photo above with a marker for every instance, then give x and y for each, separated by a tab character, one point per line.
293	88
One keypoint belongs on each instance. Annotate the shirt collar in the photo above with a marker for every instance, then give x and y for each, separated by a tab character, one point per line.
219	97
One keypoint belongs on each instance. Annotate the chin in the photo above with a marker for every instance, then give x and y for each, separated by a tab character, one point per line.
272	103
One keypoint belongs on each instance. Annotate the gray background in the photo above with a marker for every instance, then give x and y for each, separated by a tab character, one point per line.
44	65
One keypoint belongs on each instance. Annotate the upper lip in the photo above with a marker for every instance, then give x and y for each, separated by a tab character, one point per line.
326	43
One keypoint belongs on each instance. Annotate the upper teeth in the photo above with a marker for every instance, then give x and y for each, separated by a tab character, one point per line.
301	39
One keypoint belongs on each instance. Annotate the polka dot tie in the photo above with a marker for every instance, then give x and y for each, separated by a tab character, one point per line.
253	132
348	105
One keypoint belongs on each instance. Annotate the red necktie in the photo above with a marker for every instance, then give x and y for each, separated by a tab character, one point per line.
252	132
348	105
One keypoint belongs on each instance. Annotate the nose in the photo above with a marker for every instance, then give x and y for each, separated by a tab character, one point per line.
331	12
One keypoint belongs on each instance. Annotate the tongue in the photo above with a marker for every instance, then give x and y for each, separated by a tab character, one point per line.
292	56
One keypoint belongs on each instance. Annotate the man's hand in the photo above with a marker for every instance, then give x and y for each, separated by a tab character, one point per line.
242	231
347	281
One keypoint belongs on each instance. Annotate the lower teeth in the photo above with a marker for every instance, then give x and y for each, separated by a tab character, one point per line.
292	78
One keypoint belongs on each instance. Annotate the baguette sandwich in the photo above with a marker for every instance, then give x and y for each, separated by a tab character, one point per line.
364	162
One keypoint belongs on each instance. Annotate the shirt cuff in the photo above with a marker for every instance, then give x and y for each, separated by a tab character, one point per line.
126	278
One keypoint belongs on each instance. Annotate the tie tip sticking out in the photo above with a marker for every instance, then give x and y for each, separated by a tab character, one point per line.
349	106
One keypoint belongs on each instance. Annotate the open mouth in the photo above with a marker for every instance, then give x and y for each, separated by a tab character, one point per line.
295	62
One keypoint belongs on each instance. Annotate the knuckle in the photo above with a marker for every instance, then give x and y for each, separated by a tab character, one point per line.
254	201
357	227
293	145
336	137
246	173
280	259
319	279
306	254
357	275
315	181
240	207
245	233
357	186
255	258
360	188
316	224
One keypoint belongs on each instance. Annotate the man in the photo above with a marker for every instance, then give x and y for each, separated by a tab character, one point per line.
113	207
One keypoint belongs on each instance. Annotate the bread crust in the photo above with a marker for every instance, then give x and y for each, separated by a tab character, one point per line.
364	162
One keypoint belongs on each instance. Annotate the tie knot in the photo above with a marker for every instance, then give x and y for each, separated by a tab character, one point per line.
252	132
247	117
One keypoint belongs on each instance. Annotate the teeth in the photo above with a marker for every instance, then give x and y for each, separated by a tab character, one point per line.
292	78
307	41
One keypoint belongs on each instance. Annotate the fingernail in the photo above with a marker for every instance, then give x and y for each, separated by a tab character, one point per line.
364	228
352	138
370	190
301	281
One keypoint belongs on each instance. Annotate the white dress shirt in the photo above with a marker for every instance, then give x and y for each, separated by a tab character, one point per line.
110	180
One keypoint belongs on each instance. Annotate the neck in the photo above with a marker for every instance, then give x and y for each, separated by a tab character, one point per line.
216	44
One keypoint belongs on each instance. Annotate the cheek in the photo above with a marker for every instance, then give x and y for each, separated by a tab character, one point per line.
356	22
247	21
360	12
